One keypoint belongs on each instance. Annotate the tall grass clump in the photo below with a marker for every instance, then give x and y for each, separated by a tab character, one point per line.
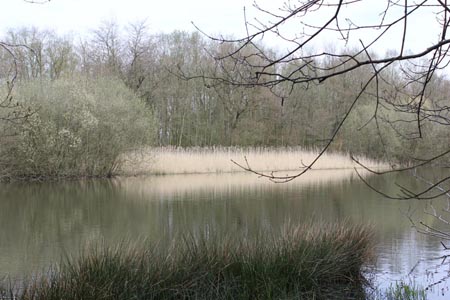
298	262
78	128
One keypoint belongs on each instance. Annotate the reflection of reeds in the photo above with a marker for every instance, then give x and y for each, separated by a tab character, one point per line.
308	262
169	160
178	184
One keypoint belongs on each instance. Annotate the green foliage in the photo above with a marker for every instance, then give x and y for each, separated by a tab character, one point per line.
80	128
319	262
401	291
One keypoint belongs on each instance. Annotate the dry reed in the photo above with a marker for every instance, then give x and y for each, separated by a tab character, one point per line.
169	160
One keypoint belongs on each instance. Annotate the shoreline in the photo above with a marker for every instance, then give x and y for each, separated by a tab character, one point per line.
167	161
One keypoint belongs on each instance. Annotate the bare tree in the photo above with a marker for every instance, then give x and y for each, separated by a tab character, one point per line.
107	47
401	80
406	85
11	111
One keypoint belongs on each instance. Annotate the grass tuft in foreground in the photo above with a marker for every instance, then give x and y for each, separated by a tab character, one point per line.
306	262
400	291
404	291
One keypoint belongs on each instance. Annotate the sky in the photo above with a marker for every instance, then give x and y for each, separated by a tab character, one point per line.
212	16
161	15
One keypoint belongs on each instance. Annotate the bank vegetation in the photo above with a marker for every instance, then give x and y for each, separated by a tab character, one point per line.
314	261
86	101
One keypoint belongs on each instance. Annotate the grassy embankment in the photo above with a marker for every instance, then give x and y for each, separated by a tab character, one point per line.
308	262
167	160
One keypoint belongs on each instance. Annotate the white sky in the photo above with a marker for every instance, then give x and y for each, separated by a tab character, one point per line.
161	15
212	16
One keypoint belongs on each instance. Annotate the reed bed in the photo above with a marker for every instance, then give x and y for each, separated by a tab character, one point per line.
169	160
305	262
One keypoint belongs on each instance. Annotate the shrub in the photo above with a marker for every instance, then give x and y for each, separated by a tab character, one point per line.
80	128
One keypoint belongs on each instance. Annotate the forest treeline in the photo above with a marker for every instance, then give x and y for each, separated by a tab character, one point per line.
129	87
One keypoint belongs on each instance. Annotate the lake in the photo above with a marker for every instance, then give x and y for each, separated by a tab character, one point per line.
42	222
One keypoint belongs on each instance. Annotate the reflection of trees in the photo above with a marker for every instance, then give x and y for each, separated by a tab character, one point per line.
40	221
434	223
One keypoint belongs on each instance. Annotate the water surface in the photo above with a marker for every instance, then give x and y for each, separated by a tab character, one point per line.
42	222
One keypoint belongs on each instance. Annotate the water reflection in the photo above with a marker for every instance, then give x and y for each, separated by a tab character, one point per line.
42	222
